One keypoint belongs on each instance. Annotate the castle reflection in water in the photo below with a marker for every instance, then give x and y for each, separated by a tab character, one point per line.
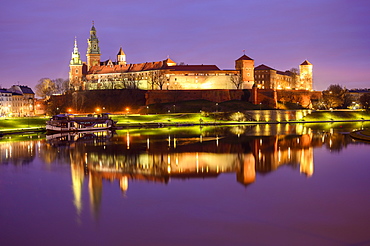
177	153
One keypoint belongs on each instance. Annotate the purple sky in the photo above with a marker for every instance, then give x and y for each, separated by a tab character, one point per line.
334	35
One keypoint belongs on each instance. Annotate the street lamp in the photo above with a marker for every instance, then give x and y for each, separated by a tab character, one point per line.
147	109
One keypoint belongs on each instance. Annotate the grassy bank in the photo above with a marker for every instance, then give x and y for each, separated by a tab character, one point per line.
21	123
9	125
337	115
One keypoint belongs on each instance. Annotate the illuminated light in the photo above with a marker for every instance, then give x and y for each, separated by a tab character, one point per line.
200	138
169	169
169	141
128	140
217	140
168	159
288	152
197	161
147	143
123	184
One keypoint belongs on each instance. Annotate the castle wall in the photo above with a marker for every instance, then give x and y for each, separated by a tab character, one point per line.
166	96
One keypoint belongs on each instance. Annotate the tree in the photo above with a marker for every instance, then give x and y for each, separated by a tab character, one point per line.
160	79
62	85
237	80
334	96
45	88
365	100
294	72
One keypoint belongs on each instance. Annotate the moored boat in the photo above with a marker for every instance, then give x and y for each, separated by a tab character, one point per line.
71	123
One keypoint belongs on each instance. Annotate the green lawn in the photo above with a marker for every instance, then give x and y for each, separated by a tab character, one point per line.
9	124
31	123
337	115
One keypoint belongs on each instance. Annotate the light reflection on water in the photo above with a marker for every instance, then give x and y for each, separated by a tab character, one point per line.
149	173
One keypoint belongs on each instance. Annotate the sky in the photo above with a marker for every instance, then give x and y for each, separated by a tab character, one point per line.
37	37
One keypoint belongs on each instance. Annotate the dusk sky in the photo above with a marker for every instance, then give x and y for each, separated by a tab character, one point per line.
37	36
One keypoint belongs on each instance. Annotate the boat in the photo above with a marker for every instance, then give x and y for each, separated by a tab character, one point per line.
70	138
72	123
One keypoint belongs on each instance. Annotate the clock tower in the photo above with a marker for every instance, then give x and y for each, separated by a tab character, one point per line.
93	50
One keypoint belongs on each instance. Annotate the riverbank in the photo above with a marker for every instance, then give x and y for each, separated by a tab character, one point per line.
37	124
361	135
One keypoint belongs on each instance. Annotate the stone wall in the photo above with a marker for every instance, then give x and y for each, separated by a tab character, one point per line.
166	96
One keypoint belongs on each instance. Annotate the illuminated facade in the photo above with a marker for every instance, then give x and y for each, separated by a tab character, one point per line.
17	101
168	75
269	78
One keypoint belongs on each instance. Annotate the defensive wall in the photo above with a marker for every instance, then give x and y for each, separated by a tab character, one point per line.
117	100
167	96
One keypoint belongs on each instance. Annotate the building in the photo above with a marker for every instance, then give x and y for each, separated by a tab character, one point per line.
22	100
269	78
95	74
5	102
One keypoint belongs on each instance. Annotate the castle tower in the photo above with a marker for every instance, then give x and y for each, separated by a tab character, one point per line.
245	65
75	68
121	57
305	74
93	50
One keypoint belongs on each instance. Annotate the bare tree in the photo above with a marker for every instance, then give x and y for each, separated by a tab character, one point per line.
236	80
334	96
161	79
62	85
294	72
151	79
365	100
45	88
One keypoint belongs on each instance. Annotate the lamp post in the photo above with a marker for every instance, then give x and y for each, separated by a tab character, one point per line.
147	109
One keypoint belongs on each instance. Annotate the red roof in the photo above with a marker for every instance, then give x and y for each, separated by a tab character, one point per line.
244	57
194	68
263	67
306	63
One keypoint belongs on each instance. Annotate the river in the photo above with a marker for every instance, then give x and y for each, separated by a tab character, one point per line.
283	184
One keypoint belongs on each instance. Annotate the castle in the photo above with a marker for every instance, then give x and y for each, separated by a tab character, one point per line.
95	74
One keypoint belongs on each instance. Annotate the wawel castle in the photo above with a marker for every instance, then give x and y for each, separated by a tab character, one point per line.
95	74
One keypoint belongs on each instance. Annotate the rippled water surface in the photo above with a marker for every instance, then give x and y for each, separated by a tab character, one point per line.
241	185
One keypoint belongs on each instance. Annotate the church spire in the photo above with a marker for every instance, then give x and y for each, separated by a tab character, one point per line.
76	59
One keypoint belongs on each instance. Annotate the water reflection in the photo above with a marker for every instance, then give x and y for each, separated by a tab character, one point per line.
178	153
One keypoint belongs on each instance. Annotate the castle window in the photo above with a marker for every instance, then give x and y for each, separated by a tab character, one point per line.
76	71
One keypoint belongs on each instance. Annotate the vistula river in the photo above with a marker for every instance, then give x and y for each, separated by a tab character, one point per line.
283	184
